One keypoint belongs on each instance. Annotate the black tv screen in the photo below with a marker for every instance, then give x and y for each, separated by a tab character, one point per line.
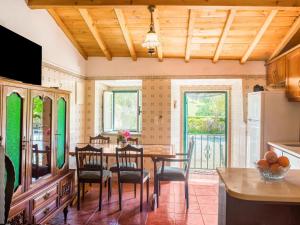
20	58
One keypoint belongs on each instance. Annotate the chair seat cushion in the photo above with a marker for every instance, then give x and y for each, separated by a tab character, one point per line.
171	174
94	175
132	176
114	167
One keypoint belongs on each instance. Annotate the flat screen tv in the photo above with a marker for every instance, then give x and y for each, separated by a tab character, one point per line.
20	58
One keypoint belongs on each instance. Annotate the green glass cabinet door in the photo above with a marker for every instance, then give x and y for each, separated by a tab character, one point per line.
13	142
61	132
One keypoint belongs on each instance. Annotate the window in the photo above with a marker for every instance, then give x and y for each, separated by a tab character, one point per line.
121	110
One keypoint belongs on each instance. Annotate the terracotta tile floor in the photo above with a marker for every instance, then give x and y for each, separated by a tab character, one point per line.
172	210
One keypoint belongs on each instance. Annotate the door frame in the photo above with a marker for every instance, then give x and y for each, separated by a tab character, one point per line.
207	88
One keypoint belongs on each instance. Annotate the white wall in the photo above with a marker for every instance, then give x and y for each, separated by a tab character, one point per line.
125	67
39	27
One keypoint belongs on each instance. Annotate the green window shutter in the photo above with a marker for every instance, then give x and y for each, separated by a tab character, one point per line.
61	132
14	134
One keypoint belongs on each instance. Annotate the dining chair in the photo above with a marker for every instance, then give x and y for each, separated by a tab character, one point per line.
131	175
89	161
100	139
114	168
170	173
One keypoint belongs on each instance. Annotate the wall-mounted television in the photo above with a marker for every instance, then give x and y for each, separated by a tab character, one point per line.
20	58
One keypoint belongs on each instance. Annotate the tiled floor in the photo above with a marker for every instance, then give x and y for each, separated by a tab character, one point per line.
172	210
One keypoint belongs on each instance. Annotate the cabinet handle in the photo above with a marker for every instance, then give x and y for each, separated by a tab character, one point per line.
46	211
46	196
299	84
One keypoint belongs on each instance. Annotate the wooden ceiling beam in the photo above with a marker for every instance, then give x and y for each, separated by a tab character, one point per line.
126	34
292	31
157	30
44	4
64	28
228	23
259	35
93	29
192	16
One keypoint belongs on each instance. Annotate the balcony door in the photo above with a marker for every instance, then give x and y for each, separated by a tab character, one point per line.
205	118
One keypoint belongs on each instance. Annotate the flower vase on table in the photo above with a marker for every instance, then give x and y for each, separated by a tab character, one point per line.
122	138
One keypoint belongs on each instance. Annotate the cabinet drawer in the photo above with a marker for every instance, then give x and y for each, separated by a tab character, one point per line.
66	188
43	197
45	211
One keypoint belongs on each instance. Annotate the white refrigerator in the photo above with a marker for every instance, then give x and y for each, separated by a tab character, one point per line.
271	117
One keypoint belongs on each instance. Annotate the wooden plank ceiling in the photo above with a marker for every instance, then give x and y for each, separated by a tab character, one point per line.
237	33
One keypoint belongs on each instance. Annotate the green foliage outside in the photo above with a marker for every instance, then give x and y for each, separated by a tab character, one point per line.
206	113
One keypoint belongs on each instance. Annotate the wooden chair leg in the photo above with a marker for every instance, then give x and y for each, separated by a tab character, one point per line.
135	190
148	181
109	188
78	196
100	196
83	184
120	195
159	188
157	191
141	197
187	194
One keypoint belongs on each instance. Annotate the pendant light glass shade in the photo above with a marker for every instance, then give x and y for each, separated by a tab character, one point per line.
151	41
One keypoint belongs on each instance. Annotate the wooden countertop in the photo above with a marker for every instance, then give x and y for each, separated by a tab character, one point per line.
247	184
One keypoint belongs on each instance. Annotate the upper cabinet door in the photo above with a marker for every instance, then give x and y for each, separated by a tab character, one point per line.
271	73
41	131
14	133
293	75
281	70
62	129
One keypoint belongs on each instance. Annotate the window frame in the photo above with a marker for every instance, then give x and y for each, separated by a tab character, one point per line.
114	92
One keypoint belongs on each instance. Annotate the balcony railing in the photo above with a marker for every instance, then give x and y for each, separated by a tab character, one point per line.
210	151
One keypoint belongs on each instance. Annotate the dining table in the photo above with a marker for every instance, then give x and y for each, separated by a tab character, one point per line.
154	151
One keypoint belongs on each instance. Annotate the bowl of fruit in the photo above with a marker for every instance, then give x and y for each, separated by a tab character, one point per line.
273	167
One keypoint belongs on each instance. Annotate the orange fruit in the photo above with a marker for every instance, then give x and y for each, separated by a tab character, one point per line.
283	161
263	164
271	157
275	168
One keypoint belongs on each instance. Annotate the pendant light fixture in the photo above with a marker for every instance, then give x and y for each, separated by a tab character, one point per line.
151	41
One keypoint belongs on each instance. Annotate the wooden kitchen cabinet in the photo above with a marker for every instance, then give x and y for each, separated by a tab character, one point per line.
293	75
276	71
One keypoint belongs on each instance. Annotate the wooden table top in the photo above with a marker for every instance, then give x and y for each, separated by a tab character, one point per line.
247	184
165	151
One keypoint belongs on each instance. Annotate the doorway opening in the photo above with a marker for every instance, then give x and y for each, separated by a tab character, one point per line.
206	119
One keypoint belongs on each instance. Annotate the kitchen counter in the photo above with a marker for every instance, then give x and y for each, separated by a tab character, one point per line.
247	184
292	148
247	199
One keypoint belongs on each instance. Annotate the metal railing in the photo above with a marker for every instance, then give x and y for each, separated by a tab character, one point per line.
209	152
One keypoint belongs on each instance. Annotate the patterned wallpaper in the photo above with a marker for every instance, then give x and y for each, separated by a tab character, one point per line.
55	77
156	111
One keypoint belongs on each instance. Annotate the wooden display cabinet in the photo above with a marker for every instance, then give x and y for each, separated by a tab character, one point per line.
34	131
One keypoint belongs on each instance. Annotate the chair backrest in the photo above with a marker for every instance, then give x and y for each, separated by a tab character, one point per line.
9	188
132	141
125	156
89	158
99	139
189	155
